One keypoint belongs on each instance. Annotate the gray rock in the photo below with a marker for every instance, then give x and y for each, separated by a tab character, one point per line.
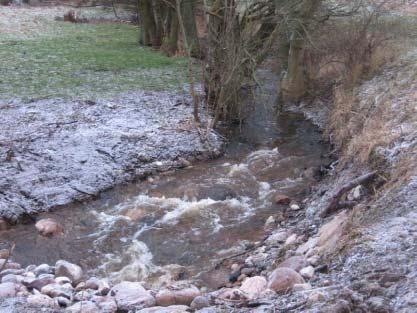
12	271
129	296
84	307
200	302
8	290
63	302
70	270
43	269
105	303
11	278
56	290
169	309
41	301
37	283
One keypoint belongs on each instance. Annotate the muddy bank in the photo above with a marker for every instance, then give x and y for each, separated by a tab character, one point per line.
55	152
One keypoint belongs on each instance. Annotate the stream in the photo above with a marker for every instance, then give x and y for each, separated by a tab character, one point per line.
192	217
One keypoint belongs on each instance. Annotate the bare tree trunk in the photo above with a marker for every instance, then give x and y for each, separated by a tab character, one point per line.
294	83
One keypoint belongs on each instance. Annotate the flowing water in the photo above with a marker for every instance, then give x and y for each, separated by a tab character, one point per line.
191	217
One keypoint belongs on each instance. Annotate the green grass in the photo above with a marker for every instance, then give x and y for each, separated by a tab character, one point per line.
84	61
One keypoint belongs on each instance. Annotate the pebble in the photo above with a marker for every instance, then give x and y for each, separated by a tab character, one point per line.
295	207
307	272
199	303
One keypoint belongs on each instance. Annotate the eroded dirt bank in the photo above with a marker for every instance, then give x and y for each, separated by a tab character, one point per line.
54	152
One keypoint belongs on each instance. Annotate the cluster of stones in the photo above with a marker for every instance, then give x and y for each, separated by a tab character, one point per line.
63	286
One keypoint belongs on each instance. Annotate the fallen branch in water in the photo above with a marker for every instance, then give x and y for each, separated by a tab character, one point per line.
335	200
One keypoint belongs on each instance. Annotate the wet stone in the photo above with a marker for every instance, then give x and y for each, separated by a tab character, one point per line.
70	270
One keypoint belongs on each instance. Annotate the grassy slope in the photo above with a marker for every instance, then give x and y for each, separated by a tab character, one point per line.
84	61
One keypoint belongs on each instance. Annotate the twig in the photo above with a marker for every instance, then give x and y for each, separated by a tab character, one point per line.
11	249
335	200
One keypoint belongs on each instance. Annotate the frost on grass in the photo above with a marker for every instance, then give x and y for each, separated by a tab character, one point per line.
53	152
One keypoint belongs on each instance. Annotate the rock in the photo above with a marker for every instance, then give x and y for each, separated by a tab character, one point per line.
135	214
232	294
247	271
8	290
269	223
307	272
313	260
295	262
330	234
12	271
378	305
170	309
282	199
84	307
291	240
37	283
295	207
342	306
235	267
199	303
315	297
356	193
48	227
62	280
11	278
301	287
84	295
56	290
308	246
283	279
63	302
97	284
278	237
106	304
70	270
80	286
185	296
41	301
43	269
253	286
129	296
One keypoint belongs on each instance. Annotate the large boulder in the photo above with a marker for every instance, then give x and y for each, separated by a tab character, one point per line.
131	296
70	270
283	279
254	286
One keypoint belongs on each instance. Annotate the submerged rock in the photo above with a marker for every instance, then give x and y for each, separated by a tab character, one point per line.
49	227
283	279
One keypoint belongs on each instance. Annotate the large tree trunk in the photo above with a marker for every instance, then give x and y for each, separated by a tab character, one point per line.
149	31
295	81
190	27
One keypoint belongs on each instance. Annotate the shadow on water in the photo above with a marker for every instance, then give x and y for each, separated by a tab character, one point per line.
191	217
